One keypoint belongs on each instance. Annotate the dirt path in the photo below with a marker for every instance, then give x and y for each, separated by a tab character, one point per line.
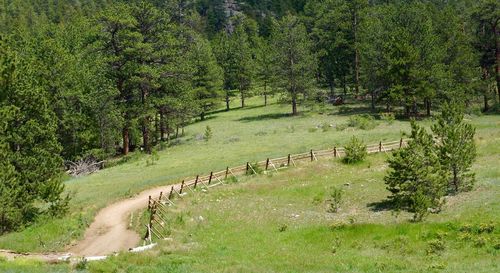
110	231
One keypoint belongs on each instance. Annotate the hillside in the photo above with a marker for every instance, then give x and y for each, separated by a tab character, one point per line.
237	219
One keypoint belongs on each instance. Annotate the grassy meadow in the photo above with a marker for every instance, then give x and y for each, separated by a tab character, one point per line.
279	222
240	135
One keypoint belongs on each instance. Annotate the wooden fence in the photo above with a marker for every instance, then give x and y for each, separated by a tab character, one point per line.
158	207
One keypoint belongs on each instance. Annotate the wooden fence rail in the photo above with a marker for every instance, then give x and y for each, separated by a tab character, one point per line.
158	207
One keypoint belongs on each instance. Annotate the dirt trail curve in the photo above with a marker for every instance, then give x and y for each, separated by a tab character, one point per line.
110	231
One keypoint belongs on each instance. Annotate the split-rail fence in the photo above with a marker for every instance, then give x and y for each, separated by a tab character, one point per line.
158	207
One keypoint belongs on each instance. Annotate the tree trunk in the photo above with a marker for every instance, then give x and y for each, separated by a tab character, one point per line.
126	140
202	116
177	131
356	54
372	93
332	90
162	126
497	55
294	105
344	83
455	179
486	106
428	106
265	94
227	102
157	130
242	99
145	136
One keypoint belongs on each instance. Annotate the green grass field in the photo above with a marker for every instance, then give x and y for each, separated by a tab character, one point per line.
279	222
240	135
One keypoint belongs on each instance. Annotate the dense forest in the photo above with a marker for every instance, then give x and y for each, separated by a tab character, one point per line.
99	78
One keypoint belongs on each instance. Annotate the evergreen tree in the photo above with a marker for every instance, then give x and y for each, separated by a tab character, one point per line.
457	150
264	68
486	17
294	61
118	41
30	162
207	77
243	61
416	178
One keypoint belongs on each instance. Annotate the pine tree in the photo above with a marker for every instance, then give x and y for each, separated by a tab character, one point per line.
416	178
294	61
30	161
457	150
264	68
207	77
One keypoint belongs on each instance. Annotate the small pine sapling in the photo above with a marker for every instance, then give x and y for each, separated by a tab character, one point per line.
208	133
355	151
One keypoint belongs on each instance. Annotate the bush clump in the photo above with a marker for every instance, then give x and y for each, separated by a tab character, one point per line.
364	122
355	151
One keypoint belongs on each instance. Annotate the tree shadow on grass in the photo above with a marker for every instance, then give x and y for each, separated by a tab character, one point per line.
265	117
238	108
384	205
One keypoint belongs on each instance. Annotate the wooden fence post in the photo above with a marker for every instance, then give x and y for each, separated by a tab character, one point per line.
289	159
248	167
227	172
401	143
196	181
312	155
380	146
210	178
161	195
182	187
149	203
267	163
171	194
334	151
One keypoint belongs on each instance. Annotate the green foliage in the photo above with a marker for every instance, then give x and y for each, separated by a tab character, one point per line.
30	161
355	151
294	67
389	117
416	179
364	122
435	246
208	133
336	195
456	146
152	158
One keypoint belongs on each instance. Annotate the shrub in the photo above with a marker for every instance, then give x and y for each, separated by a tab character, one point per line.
389	117
81	265
341	127
355	151
486	227
325	126
364	122
435	246
152	158
283	228
255	166
336	199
